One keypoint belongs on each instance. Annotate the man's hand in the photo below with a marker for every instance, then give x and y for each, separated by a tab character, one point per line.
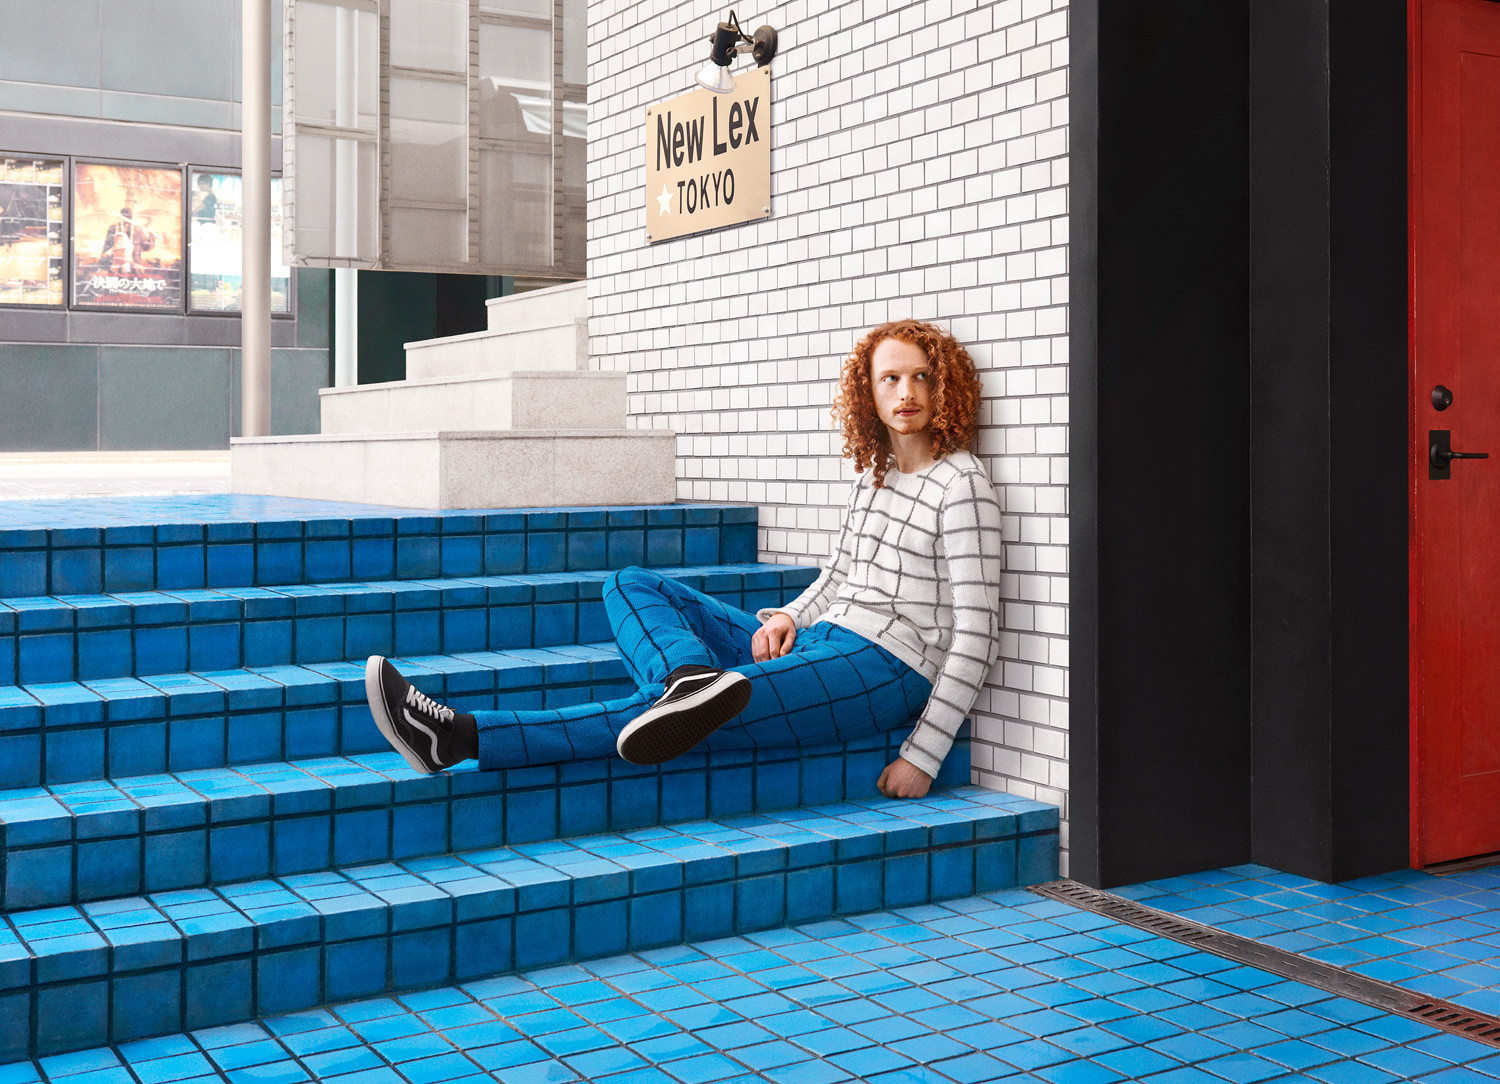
773	639
903	779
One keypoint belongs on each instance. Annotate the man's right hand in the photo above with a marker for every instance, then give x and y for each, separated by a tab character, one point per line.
773	639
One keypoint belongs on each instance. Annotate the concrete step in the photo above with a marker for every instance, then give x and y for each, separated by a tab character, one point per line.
554	304
498	469
79	638
516	400
227	548
98	839
129	967
559	345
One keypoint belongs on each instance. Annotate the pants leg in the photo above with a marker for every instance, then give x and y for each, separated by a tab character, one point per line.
833	686
659	625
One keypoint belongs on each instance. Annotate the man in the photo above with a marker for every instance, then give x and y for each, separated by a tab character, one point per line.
904	620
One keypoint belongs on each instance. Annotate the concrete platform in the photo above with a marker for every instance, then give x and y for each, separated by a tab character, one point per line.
479	469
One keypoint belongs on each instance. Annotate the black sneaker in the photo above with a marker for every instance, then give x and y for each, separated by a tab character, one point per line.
417	726
698	700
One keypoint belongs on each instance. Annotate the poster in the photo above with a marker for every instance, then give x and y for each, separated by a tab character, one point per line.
127	236
32	251
216	245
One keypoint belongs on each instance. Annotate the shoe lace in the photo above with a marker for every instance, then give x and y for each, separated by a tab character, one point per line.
422	702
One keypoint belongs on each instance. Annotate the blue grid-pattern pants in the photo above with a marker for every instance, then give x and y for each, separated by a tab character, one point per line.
833	686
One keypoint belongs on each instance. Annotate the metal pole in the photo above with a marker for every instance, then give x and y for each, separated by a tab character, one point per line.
255	318
346	199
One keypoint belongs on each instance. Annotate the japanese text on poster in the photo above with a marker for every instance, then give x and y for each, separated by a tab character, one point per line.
127	236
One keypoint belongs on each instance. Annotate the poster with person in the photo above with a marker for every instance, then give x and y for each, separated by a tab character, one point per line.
32	247
216	245
127	236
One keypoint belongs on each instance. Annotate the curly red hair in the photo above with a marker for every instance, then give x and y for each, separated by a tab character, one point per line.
955	396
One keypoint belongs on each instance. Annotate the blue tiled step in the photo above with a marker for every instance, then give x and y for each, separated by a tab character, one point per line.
230	549
80	637
126	968
94	840
114	728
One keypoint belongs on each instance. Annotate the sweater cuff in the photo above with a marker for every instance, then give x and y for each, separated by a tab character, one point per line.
768	612
921	758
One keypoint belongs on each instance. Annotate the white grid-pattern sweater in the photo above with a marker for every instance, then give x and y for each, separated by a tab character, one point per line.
917	571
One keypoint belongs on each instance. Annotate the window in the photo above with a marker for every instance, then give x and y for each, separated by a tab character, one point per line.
466	152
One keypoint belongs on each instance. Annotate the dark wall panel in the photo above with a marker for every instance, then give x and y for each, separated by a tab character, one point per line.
1170	504
50	397
135	413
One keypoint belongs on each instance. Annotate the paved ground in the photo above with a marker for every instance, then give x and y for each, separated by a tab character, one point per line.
999	987
99	474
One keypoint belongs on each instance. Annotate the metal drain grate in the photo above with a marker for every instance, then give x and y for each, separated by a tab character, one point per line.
1385	996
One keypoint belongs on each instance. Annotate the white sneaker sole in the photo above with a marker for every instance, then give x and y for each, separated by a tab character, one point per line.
664	732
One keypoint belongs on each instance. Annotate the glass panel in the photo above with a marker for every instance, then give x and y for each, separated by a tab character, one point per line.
516	56
430	34
515	209
337	207
345	92
520	7
507	113
429	140
571	255
575	35
127	236
32	249
216	245
420	236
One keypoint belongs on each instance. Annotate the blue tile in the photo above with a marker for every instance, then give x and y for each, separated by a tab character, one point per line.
176	860
355	968
45	657
72	1016
145	1004
421	958
600	929
37	877
110	867
161	650
181	567
327	560
77	571
657	920
23	574
278	562
542	938
129	568
104	653
482	948
74	755
218	993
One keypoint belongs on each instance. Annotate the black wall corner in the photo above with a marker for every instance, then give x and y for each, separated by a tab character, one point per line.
1169	530
1239	381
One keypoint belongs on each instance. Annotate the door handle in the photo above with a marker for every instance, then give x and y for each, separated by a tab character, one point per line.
1440	454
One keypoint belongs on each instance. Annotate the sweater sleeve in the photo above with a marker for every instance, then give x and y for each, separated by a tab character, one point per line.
815	600
969	529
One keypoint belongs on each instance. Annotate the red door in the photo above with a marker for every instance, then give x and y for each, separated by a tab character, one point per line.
1455	544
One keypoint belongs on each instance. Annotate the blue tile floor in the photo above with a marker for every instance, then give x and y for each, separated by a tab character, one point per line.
1004	986
1438	935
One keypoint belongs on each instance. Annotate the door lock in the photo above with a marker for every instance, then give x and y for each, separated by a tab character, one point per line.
1440	454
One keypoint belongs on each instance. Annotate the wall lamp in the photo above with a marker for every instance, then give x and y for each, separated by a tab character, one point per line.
728	42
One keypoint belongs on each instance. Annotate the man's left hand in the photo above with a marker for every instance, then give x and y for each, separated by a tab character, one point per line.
903	779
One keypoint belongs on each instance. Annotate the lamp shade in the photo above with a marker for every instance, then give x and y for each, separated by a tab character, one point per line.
714	78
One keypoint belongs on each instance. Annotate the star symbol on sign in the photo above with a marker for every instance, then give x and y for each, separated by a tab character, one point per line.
664	201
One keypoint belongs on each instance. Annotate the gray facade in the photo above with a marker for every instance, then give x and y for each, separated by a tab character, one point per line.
154	84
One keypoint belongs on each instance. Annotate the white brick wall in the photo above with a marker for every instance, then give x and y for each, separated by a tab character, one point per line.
918	168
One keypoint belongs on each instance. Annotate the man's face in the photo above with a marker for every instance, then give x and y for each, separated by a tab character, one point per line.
902	379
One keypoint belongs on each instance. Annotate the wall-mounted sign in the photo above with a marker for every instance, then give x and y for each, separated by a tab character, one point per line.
708	159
